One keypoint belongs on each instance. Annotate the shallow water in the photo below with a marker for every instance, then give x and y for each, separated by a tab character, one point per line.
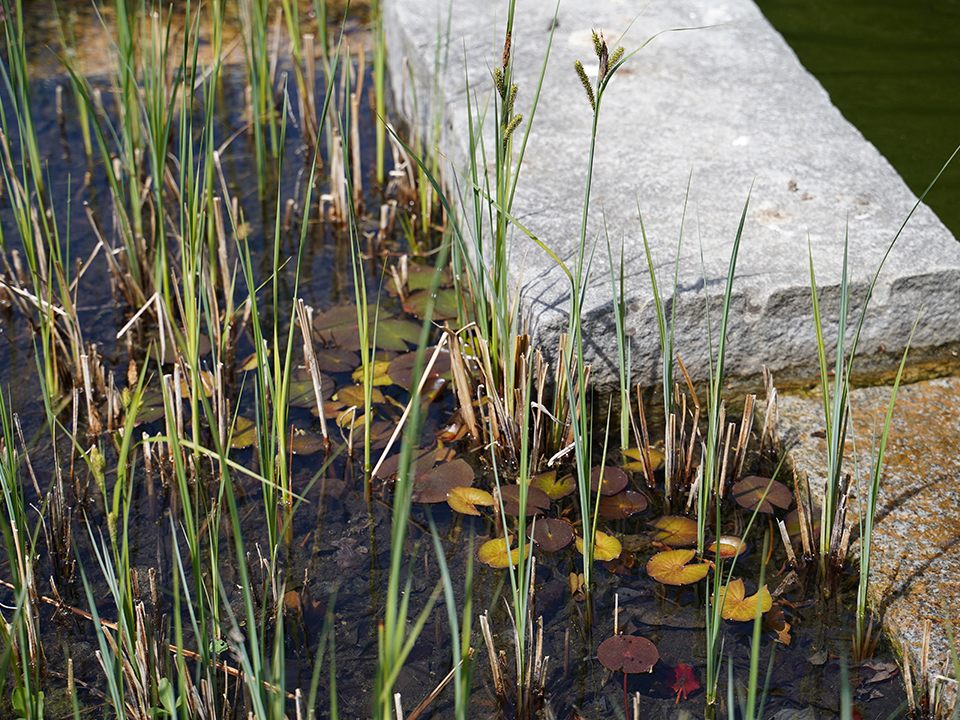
339	540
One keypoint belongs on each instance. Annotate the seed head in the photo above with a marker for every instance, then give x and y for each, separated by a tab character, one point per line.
511	126
582	74
498	81
615	58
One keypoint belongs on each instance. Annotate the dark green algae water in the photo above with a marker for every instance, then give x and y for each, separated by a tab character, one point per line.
892	67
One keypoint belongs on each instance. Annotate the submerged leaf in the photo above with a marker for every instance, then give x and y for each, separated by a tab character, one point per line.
760	493
674	530
628	653
683	681
670	567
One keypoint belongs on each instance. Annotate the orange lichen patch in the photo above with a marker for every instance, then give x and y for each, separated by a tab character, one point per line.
670	567
465	499
605	547
734	606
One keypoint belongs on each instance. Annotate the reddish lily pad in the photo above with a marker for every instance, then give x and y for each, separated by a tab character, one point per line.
401	367
554	488
628	654
614	480
734	606
333	360
622	505
304	443
605	547
552	534
792	521
674	530
670	567
537	500
760	493
301	393
434	485
465	499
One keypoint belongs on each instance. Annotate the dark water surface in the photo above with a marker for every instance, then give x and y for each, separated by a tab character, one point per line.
893	68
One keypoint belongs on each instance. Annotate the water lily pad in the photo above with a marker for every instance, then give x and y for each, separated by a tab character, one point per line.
465	499
151	407
301	392
734	606
537	500
496	553
628	654
379	373
674	530
333	360
434	485
605	547
749	493
304	443
670	568
729	546
554	487
395	333
636	456
622	505
444	308
552	534
244	433
353	395
792	521
401	367
614	480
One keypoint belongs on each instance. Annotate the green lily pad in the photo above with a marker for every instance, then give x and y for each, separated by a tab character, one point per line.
244	434
444	308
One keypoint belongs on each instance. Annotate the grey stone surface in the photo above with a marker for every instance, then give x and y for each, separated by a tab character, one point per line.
728	108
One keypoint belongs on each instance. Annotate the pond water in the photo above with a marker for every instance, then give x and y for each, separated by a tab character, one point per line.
893	69
338	545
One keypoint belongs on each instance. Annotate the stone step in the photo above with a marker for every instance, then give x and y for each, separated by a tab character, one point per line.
727	112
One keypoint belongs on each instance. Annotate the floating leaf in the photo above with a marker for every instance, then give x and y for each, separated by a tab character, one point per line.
423	461
730	546
552	534
495	553
734	606
792	521
301	392
614	480
682	681
445	308
656	459
465	499
553	487
577	583
749	493
674	530
605	547
401	367
537	500
670	567
628	653
378	373
244	434
333	360
151	407
353	395
248	363
622	505
304	443
395	333
434	485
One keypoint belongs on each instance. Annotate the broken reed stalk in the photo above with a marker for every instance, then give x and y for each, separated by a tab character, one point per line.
305	318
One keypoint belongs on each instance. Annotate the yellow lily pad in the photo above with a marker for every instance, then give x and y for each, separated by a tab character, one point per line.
497	553
734	606
670	567
465	499
605	547
554	487
674	530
